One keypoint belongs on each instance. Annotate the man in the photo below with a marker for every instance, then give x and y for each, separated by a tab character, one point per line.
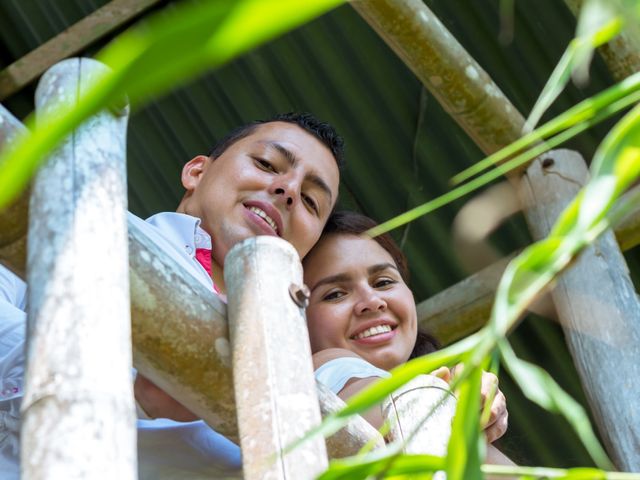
276	177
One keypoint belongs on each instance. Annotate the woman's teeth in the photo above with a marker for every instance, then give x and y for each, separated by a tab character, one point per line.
265	217
369	332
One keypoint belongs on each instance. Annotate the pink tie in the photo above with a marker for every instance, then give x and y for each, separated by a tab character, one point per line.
203	256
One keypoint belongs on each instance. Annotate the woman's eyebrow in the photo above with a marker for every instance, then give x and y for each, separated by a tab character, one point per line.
381	266
340	277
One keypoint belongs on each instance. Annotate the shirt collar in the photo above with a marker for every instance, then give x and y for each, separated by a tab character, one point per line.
182	229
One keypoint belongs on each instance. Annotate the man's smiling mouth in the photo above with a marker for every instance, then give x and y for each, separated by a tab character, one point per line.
262	214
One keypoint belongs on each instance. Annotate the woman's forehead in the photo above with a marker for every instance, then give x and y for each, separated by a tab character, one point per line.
336	252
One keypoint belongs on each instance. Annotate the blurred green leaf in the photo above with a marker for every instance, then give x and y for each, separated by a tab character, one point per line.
539	387
610	101
151	58
412	466
465	445
598	23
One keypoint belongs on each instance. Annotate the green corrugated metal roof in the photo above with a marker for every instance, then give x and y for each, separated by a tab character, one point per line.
401	147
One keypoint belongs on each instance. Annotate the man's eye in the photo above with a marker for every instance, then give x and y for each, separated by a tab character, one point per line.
310	202
264	165
334	295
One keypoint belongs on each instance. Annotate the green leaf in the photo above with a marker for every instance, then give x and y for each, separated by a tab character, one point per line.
464	451
154	57
598	23
618	95
411	466
539	387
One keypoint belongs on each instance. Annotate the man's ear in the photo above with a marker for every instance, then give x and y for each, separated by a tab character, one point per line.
193	170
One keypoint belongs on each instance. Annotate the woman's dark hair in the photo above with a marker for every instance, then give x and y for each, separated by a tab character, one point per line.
353	223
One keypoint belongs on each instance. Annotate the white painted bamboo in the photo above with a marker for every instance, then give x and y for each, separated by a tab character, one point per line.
408	412
597	306
274	384
78	416
354	436
13	219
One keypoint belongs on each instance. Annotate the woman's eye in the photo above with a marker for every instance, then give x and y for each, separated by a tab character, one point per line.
265	165
384	282
310	202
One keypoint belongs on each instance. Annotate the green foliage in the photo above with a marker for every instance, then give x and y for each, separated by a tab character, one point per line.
616	165
151	58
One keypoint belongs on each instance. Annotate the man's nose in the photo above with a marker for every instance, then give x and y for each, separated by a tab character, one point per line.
286	191
370	301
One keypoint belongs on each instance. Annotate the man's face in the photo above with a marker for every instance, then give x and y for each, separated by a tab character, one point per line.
280	181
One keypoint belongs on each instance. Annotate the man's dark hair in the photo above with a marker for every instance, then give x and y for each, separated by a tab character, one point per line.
323	131
344	222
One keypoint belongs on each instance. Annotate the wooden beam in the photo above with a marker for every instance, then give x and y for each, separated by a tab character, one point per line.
78	413
272	369
453	77
73	40
465	307
598	309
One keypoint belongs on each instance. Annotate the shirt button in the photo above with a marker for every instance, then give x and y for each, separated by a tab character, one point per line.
188	249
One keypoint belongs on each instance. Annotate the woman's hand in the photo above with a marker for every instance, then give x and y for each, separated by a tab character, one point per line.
156	403
498	421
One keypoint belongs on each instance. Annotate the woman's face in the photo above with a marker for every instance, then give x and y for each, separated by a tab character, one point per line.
359	301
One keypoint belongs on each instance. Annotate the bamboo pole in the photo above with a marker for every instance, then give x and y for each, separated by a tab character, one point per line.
407	408
273	372
13	219
598	309
453	77
78	416
622	54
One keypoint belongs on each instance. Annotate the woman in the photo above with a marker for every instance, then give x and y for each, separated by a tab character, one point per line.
362	318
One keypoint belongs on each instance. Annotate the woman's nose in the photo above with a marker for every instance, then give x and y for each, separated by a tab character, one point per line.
371	301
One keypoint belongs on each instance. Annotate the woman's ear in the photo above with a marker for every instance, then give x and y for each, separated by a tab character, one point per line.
192	172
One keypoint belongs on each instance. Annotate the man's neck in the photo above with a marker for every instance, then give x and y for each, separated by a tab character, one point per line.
217	275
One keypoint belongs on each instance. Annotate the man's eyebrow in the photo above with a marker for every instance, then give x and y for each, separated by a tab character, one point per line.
293	160
340	277
285	152
380	267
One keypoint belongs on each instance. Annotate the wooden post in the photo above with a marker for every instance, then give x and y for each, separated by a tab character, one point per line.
13	219
78	411
597	306
407	408
272	369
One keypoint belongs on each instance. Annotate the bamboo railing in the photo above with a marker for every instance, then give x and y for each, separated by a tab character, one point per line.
78	387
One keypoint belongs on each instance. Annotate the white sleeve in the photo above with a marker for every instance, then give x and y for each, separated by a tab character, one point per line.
12	344
337	372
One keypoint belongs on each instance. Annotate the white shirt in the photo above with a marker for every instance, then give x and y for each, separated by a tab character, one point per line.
337	372
167	450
